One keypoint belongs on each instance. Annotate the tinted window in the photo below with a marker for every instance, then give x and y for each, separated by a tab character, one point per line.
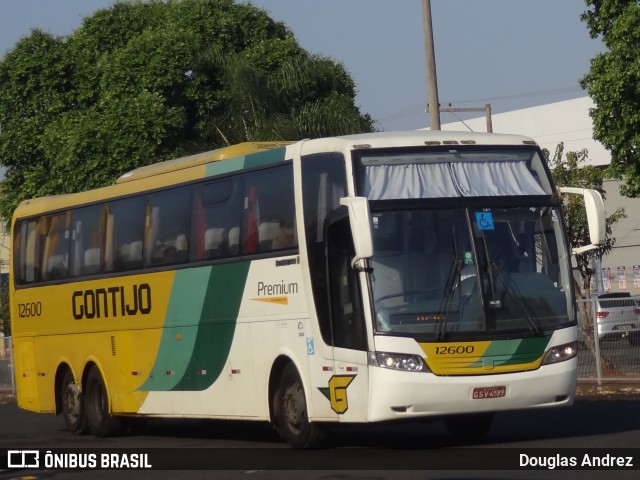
218	214
86	240
125	234
617	302
169	232
269	211
56	248
324	183
244	214
27	249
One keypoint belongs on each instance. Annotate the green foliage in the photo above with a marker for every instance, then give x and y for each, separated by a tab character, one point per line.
570	170
141	82
5	317
614	85
603	14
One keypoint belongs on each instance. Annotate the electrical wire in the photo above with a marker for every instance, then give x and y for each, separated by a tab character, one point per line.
422	108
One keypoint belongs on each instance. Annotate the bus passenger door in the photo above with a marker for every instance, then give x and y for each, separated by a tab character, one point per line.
348	387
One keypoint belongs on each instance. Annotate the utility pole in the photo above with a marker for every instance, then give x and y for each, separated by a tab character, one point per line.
433	104
486	109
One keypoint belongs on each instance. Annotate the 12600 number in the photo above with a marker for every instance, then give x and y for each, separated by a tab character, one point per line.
455	350
28	310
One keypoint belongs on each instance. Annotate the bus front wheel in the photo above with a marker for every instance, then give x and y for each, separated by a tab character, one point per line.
70	400
96	403
290	407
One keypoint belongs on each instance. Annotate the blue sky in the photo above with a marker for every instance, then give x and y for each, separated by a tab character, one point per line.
509	53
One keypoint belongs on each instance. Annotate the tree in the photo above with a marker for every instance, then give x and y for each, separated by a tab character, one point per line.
142	82
613	83
5	318
570	170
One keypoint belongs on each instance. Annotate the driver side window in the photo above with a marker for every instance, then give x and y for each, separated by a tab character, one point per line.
347	320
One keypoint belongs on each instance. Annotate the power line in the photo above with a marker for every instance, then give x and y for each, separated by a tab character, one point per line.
539	93
422	108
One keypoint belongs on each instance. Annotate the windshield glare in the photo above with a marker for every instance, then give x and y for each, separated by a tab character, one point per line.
466	272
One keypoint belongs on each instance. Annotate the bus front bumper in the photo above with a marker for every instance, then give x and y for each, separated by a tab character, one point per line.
396	395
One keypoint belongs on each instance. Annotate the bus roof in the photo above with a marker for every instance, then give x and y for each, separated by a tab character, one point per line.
224	153
180	166
413	138
154	173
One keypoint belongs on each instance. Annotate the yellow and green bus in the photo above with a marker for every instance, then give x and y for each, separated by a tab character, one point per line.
367	278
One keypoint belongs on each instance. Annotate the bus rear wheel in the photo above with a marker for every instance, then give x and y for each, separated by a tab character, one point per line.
70	400
290	408
96	403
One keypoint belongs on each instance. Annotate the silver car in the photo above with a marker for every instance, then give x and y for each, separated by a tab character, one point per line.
618	315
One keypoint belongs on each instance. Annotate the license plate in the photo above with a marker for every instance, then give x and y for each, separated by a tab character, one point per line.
624	328
480	393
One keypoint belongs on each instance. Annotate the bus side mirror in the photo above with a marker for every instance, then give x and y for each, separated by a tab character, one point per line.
595	216
360	220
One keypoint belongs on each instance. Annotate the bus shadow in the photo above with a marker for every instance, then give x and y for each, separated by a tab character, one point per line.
585	418
206	429
559	428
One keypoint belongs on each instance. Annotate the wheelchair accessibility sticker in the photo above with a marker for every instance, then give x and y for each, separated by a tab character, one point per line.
484	220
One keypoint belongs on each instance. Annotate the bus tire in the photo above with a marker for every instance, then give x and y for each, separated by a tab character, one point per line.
96	406
290	408
469	426
70	400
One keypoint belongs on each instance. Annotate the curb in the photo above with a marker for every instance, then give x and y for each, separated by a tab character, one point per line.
594	390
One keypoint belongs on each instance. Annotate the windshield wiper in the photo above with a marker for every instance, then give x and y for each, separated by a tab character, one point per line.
452	280
510	287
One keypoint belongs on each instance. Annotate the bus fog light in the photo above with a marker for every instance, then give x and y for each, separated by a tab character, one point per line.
561	353
398	361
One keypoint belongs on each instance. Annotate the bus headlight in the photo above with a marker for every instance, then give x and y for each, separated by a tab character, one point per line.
561	353
398	361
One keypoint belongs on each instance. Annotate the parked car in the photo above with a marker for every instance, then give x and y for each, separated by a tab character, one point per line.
618	315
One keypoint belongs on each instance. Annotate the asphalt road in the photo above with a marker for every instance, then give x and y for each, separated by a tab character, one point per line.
247	450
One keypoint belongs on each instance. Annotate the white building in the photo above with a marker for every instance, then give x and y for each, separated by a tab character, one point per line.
569	122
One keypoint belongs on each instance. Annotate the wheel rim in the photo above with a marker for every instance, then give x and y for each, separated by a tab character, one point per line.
71	403
294	407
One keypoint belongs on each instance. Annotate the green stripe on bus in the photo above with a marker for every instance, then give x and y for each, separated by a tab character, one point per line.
529	350
259	159
180	328
264	158
224	166
217	326
199	327
513	352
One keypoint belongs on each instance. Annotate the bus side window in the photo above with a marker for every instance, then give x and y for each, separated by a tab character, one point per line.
270	220
125	234
27	247
347	319
217	220
86	240
56	248
167	234
324	179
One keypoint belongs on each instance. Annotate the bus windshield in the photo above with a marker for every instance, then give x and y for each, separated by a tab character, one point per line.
470	273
